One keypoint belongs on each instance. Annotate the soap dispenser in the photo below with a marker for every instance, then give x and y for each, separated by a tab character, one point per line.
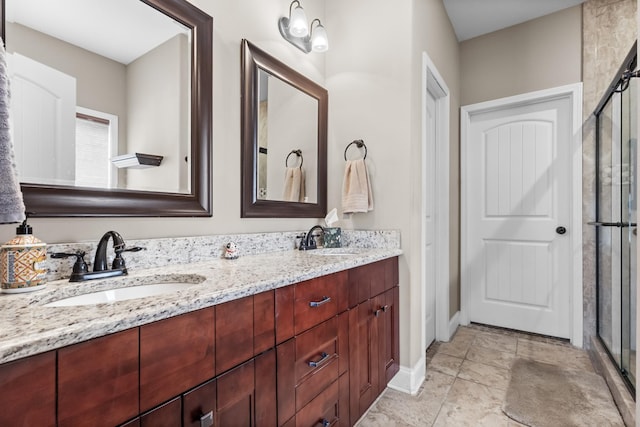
22	262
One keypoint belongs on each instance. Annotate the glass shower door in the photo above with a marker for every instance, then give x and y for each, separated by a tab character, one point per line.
616	227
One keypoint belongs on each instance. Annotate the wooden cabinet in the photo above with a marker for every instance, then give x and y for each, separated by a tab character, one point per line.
242	396
176	354
29	391
388	339
98	381
316	352
311	363
373	333
244	327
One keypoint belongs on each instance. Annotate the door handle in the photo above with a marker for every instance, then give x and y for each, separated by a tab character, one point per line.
561	230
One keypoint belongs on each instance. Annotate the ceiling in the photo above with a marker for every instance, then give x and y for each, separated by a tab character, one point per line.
121	30
473	18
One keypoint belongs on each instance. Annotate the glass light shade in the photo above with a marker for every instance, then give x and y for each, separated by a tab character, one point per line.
319	39
298	25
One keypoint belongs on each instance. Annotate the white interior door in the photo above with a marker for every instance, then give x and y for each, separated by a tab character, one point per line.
43	114
429	240
518	193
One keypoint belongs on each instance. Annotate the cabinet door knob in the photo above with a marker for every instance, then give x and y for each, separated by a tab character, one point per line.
385	308
323	358
319	303
206	420
327	423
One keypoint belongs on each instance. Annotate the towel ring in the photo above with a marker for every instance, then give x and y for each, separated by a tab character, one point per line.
359	143
298	153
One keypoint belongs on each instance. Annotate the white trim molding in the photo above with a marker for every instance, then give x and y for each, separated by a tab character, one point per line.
433	83
409	380
574	92
453	324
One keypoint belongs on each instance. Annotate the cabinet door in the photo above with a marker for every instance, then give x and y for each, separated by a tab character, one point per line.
167	415
28	390
236	397
176	354
386	306
200	405
98	381
363	359
266	395
234	333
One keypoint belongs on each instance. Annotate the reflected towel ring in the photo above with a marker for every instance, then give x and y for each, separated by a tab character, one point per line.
359	143
298	153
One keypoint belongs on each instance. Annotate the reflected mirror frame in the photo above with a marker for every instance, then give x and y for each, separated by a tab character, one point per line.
254	59
63	201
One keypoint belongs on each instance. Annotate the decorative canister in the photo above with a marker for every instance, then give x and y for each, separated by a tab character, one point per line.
332	237
22	262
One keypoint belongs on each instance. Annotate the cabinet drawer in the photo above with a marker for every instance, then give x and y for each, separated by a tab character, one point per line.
316	301
316	364
323	408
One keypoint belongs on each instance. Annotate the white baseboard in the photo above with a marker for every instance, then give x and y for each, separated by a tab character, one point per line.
454	323
409	380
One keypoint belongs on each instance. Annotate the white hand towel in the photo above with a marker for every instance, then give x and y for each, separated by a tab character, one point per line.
294	185
356	188
11	202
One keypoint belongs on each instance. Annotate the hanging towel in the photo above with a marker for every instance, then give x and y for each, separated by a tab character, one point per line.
11	202
294	185
356	188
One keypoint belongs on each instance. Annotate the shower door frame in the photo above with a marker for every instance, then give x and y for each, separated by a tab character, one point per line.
629	63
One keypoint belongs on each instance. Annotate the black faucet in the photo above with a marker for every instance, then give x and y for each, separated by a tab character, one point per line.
100	269
308	242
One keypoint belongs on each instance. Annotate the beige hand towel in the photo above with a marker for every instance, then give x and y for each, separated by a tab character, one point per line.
356	188
11	202
294	185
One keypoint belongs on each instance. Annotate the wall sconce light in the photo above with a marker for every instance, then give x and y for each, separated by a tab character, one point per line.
294	30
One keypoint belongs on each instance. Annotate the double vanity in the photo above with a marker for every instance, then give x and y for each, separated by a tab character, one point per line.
286	338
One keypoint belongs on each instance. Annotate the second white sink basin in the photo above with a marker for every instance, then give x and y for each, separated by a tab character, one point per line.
333	251
119	294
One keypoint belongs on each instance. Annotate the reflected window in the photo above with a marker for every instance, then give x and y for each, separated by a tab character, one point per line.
96	143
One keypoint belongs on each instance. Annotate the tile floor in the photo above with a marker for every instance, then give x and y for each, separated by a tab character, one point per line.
467	378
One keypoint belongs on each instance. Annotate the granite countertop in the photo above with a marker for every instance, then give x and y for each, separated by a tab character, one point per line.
28	328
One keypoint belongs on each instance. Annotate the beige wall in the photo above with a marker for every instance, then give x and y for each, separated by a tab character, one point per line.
157	93
101	82
539	54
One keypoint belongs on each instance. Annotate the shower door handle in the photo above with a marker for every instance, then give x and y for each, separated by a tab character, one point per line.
612	224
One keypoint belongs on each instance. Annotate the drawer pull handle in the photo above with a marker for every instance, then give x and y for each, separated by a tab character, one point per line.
206	420
319	303
324	358
327	423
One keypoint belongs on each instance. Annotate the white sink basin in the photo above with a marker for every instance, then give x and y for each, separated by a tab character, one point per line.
334	252
119	294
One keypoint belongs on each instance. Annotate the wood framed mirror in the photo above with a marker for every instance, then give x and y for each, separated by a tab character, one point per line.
284	127
192	197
